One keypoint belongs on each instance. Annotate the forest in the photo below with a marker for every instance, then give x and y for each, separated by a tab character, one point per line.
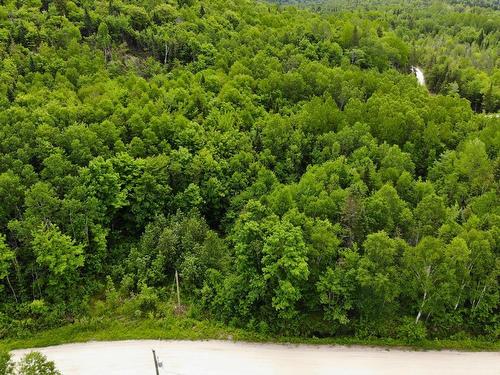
282	160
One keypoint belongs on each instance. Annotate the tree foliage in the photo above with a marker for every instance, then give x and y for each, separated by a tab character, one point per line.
283	161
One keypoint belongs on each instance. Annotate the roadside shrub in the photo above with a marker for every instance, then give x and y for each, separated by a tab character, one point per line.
6	365
38	308
446	325
35	363
411	332
147	299
112	295
127	285
370	328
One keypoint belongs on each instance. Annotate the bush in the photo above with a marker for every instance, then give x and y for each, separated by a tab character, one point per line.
35	363
375	328
38	307
6	365
112	295
147	299
411	332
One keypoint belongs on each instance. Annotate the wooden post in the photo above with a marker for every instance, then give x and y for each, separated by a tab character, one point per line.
178	292
156	363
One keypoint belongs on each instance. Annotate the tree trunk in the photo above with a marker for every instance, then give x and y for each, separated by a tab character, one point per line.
166	54
421	307
480	297
459	295
11	288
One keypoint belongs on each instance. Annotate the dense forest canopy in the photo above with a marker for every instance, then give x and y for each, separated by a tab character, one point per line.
456	42
284	161
370	4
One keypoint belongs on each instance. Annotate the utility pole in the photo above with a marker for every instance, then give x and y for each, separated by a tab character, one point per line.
156	363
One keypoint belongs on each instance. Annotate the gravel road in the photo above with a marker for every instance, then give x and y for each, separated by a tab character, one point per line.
223	357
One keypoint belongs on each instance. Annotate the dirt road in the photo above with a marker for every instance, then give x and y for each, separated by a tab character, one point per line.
221	358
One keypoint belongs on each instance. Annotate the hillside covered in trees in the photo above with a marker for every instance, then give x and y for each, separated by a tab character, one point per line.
455	41
284	161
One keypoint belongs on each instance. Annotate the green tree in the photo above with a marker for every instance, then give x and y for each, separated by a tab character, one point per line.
429	277
35	363
285	268
7	257
386	211
379	269
473	164
104	40
337	288
60	256
430	214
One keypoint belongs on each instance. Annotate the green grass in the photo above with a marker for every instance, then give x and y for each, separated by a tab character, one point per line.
190	329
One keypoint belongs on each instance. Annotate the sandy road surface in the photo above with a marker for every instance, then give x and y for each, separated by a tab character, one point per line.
221	358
